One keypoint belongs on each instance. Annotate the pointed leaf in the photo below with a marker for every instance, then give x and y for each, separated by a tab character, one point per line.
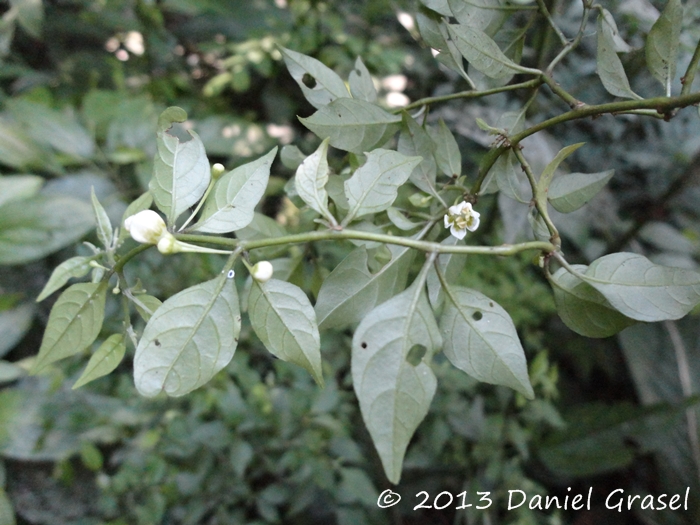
285	322
320	84
395	394
361	84
583	308
104	360
311	179
190	338
439	6
74	323
374	186
447	154
150	303
662	44
353	125
232	201
74	267
548	172
181	171
610	69
14	323
400	221
481	340
642	290
18	187
569	192
482	52
104	225
451	265
414	140
481	14
30	14
506	170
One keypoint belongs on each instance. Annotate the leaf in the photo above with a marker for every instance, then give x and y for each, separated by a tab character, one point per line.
582	308
662	44
610	69
484	15
435	34
353	125
446	150
104	360
14	324
620	45
151	303
642	290
10	372
285	322
439	6
104	225
291	157
33	228
374	186
74	323
30	14
569	192
505	171
263	227
75	267
320	84
395	394
361	84
181	172
351	291
548	172
481	340
190	338
482	52
18	187
414	140
311	179
234	197
400	221
451	265
141	203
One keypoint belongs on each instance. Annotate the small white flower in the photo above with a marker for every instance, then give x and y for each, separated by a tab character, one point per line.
460	218
262	271
146	227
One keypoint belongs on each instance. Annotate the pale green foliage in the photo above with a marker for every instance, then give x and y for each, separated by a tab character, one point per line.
323	85
105	359
662	44
482	52
147	306
361	84
17	187
446	151
610	70
104	225
311	179
71	268
414	140
569	192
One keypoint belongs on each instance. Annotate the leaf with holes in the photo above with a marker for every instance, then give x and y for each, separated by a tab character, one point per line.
662	44
610	69
74	323
481	340
285	322
320	84
104	360
191	337
482	52
72	268
311	179
231	204
361	84
569	192
394	386
353	125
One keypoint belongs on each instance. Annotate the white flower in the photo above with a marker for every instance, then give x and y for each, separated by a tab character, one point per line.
146	227
262	271
460	218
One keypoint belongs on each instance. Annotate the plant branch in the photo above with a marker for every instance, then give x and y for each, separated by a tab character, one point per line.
570	46
545	12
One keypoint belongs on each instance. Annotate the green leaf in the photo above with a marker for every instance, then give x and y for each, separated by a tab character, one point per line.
104	360
400	221
190	338
434	32
74	323
642	290
285	322
14	324
353	125
481	340
662	44
75	267
30	14
451	265
235	195
311	179
33	228
263	227
291	157
141	203
104	225
446	150
506	170
610	69
351	291
414	140
569	192
151	305
395	394
548	172
10	372
181	172
482	52
18	187
439	6
583	308
361	84
320	84
484	15
374	186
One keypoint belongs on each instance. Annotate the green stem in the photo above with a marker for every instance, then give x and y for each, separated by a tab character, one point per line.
689	76
130	255
570	46
545	12
567	97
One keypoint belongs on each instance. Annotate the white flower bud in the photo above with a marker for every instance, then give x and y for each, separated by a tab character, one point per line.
217	170
146	227
262	271
168	244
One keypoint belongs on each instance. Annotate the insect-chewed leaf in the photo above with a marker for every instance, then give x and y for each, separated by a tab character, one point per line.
285	322
351	291
583	308
394	390
73	267
181	172
374	185
451	265
104	225
569	192
482	52
104	360
662	44
481	14
481	340
233	198
447	154
320	84
191	337
610	69
353	125
74	323
311	179
361	84
642	290
414	140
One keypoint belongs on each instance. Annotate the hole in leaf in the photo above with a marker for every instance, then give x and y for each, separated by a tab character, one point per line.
156	342
415	355
491	304
477	315
363	345
358	72
309	81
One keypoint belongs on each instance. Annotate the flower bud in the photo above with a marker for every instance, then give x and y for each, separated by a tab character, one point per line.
168	244
146	227
262	271
217	170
